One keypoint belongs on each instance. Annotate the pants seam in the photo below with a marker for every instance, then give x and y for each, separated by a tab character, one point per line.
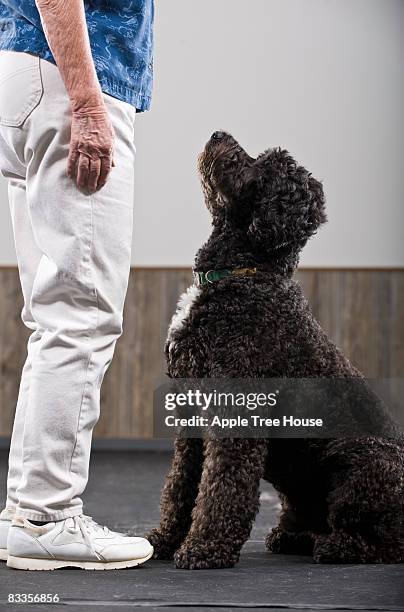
35	351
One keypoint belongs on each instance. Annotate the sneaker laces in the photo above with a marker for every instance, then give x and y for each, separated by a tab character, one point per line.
87	526
92	525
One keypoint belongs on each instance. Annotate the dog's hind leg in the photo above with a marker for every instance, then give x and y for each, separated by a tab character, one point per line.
178	498
366	512
226	505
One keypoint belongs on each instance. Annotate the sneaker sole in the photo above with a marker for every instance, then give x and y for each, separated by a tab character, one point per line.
3	554
25	563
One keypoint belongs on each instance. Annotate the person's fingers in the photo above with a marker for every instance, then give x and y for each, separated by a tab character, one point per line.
106	164
72	163
83	171
94	174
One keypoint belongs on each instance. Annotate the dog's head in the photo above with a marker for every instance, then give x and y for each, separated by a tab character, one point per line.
275	202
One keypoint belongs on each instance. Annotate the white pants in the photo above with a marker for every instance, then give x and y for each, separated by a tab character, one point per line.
73	254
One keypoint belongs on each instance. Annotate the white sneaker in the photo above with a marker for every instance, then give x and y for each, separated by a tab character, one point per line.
6	516
73	542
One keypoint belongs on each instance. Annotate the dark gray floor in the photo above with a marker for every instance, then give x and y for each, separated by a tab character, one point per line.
124	492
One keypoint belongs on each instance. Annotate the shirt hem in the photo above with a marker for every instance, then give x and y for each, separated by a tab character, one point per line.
139	100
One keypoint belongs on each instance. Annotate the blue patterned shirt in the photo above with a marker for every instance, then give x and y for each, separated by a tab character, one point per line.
121	38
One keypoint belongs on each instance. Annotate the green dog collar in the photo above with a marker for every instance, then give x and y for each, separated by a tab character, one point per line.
212	276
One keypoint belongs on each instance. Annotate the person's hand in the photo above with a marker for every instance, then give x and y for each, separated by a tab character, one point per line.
91	148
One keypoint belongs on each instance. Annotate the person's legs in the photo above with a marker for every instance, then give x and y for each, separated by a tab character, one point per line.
76	301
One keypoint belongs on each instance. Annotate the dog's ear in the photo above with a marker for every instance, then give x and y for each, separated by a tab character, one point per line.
291	204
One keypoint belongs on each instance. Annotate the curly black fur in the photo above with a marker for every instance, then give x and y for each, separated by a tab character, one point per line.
342	500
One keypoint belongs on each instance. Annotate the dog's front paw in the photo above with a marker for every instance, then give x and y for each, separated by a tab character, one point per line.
289	543
164	544
200	554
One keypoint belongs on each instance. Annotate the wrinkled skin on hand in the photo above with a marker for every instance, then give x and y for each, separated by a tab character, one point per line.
92	134
91	148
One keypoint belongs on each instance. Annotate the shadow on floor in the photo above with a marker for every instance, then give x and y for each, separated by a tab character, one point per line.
123	493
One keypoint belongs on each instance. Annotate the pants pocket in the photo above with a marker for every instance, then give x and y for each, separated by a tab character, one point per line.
21	87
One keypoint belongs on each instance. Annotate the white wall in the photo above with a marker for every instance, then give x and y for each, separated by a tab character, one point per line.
323	78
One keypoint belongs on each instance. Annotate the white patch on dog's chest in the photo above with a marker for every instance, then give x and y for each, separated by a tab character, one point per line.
184	305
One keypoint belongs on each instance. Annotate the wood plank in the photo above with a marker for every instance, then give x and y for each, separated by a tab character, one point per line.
361	310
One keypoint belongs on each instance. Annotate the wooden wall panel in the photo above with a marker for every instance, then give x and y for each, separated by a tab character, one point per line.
361	310
13	338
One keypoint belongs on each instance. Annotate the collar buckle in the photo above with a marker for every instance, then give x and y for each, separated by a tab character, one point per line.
207	276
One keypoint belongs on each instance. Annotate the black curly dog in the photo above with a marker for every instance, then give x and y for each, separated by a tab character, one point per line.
342	499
